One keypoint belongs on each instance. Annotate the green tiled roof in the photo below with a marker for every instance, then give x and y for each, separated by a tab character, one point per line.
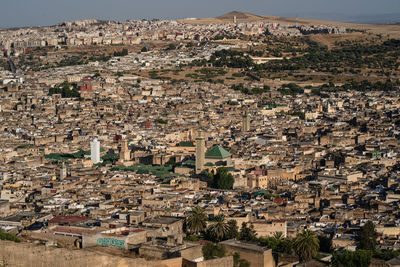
217	152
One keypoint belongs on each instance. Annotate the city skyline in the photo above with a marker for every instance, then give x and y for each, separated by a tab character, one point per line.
45	12
200	134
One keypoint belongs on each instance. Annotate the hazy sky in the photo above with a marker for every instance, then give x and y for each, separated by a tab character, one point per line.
15	13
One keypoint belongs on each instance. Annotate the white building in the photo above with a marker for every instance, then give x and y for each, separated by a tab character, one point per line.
95	151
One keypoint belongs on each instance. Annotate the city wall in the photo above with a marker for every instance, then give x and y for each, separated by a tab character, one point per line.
30	255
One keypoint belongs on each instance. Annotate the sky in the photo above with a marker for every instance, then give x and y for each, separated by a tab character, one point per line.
17	13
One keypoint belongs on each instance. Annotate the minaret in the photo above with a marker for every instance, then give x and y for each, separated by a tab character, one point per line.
246	122
125	154
317	200
63	172
95	151
200	153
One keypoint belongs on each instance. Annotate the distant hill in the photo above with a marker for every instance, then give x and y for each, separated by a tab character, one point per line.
240	16
228	18
374	19
389	29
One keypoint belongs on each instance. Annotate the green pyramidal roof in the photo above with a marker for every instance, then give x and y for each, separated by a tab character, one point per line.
217	152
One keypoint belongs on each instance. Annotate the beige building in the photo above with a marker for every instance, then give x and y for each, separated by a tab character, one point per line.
270	228
257	256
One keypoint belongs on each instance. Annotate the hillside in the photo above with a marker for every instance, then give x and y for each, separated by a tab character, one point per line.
240	16
385	29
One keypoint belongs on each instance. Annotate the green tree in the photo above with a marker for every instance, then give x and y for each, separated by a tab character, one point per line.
210	179
306	245
238	262
386	254
278	236
212	251
196	220
221	180
225	180
233	230
110	157
219	229
325	244
65	90
282	244
247	233
122	53
291	89
9	236
299	114
171	46
345	258
278	243
367	236
161	121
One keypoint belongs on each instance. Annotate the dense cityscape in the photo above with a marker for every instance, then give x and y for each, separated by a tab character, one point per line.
236	142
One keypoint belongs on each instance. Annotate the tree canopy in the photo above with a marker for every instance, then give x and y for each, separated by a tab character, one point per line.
219	229
212	251
66	90
345	258
367	236
9	236
247	233
306	245
278	243
221	180
196	220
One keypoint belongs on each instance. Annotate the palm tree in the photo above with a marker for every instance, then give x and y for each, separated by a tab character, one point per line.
306	245
278	236
219	229
196	220
247	233
282	244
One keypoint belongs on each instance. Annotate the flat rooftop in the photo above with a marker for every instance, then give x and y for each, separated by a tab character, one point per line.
69	219
23	216
162	220
244	245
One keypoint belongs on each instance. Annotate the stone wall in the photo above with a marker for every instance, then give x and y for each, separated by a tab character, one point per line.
220	262
30	255
256	256
99	239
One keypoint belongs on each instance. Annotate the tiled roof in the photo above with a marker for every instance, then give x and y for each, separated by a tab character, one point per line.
217	152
